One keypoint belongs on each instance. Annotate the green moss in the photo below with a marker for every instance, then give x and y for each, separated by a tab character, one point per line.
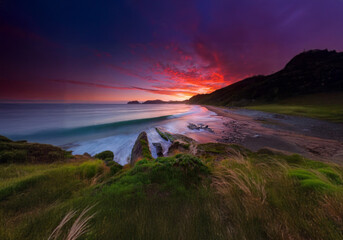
172	174
146	150
170	136
161	134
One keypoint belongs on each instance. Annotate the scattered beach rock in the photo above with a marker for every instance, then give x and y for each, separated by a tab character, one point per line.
141	149
159	149
199	126
233	132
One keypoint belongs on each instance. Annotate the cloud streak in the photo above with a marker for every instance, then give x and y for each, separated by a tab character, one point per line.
151	90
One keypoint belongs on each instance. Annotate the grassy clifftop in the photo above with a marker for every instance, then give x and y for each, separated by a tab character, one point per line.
325	106
221	192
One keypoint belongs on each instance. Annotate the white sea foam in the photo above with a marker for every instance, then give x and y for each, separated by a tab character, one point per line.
96	128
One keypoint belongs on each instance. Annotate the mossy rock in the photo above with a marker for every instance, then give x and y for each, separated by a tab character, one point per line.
141	149
162	135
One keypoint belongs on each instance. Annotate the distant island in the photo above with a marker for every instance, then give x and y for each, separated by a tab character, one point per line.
157	101
133	102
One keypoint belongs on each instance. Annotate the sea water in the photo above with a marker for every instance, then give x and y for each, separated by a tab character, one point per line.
93	128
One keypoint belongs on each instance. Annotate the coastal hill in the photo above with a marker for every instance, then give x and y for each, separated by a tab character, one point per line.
133	102
310	72
157	101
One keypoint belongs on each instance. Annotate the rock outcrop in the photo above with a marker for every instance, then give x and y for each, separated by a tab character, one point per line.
181	144
141	149
159	149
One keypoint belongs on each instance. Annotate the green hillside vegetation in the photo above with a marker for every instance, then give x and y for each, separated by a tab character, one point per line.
326	106
307	74
222	192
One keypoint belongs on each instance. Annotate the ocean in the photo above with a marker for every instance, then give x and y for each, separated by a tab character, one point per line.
94	128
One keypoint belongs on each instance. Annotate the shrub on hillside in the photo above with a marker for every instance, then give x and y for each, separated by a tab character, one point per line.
105	155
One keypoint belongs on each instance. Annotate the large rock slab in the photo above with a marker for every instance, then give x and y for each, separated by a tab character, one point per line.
141	149
181	144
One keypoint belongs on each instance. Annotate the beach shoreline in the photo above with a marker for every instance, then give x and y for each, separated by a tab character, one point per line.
311	138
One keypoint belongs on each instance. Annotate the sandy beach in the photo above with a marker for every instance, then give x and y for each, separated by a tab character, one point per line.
315	139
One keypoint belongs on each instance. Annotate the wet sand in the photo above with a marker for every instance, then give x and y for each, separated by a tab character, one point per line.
315	139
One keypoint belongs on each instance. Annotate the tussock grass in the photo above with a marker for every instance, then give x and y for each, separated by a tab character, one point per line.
231	194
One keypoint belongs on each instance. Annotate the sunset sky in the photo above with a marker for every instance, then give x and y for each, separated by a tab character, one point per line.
114	51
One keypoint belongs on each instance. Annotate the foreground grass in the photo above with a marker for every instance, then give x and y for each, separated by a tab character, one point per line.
227	192
322	106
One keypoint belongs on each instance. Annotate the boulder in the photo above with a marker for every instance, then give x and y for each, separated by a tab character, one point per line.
141	149
159	149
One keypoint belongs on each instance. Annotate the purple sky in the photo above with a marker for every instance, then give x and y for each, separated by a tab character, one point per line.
110	51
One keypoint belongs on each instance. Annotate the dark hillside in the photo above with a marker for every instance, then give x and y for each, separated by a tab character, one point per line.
314	71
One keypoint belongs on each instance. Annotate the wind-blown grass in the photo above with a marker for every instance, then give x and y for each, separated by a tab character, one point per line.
231	194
